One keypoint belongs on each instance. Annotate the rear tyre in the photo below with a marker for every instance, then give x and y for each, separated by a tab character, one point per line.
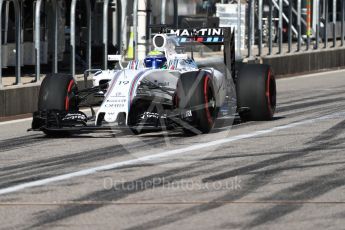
256	92
58	92
195	92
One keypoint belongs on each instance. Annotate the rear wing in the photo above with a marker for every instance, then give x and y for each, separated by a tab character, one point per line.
209	36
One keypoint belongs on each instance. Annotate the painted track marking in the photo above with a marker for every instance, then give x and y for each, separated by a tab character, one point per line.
30	118
148	158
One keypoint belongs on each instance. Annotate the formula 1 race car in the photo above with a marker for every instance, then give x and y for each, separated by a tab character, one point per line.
166	90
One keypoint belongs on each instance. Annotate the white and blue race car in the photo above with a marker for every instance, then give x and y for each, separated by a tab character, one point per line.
166	90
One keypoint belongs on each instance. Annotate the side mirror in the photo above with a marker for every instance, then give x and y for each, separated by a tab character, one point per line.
116	58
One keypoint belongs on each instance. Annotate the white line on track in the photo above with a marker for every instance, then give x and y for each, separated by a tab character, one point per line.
15	121
148	158
30	119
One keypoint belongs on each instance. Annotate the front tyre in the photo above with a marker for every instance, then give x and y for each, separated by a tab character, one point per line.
256	92
58	92
195	93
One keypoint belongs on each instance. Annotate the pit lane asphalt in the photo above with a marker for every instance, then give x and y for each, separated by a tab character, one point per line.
287	178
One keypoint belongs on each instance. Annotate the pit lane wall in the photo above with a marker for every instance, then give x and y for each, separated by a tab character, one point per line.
306	62
18	100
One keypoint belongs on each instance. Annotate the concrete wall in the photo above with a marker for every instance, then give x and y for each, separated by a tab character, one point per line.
16	100
307	62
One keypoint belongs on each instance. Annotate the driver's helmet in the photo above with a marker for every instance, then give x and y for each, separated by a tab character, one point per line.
155	60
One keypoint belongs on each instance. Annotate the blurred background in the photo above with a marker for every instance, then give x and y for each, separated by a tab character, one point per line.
43	36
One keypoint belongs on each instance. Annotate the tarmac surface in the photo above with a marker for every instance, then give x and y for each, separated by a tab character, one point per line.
288	173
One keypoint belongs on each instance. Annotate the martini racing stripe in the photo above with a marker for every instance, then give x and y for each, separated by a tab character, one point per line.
134	83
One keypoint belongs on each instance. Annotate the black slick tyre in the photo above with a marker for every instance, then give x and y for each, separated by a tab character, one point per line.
195	92
58	93
256	92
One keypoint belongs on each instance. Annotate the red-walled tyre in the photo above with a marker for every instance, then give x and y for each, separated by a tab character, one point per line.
195	92
256	92
58	93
